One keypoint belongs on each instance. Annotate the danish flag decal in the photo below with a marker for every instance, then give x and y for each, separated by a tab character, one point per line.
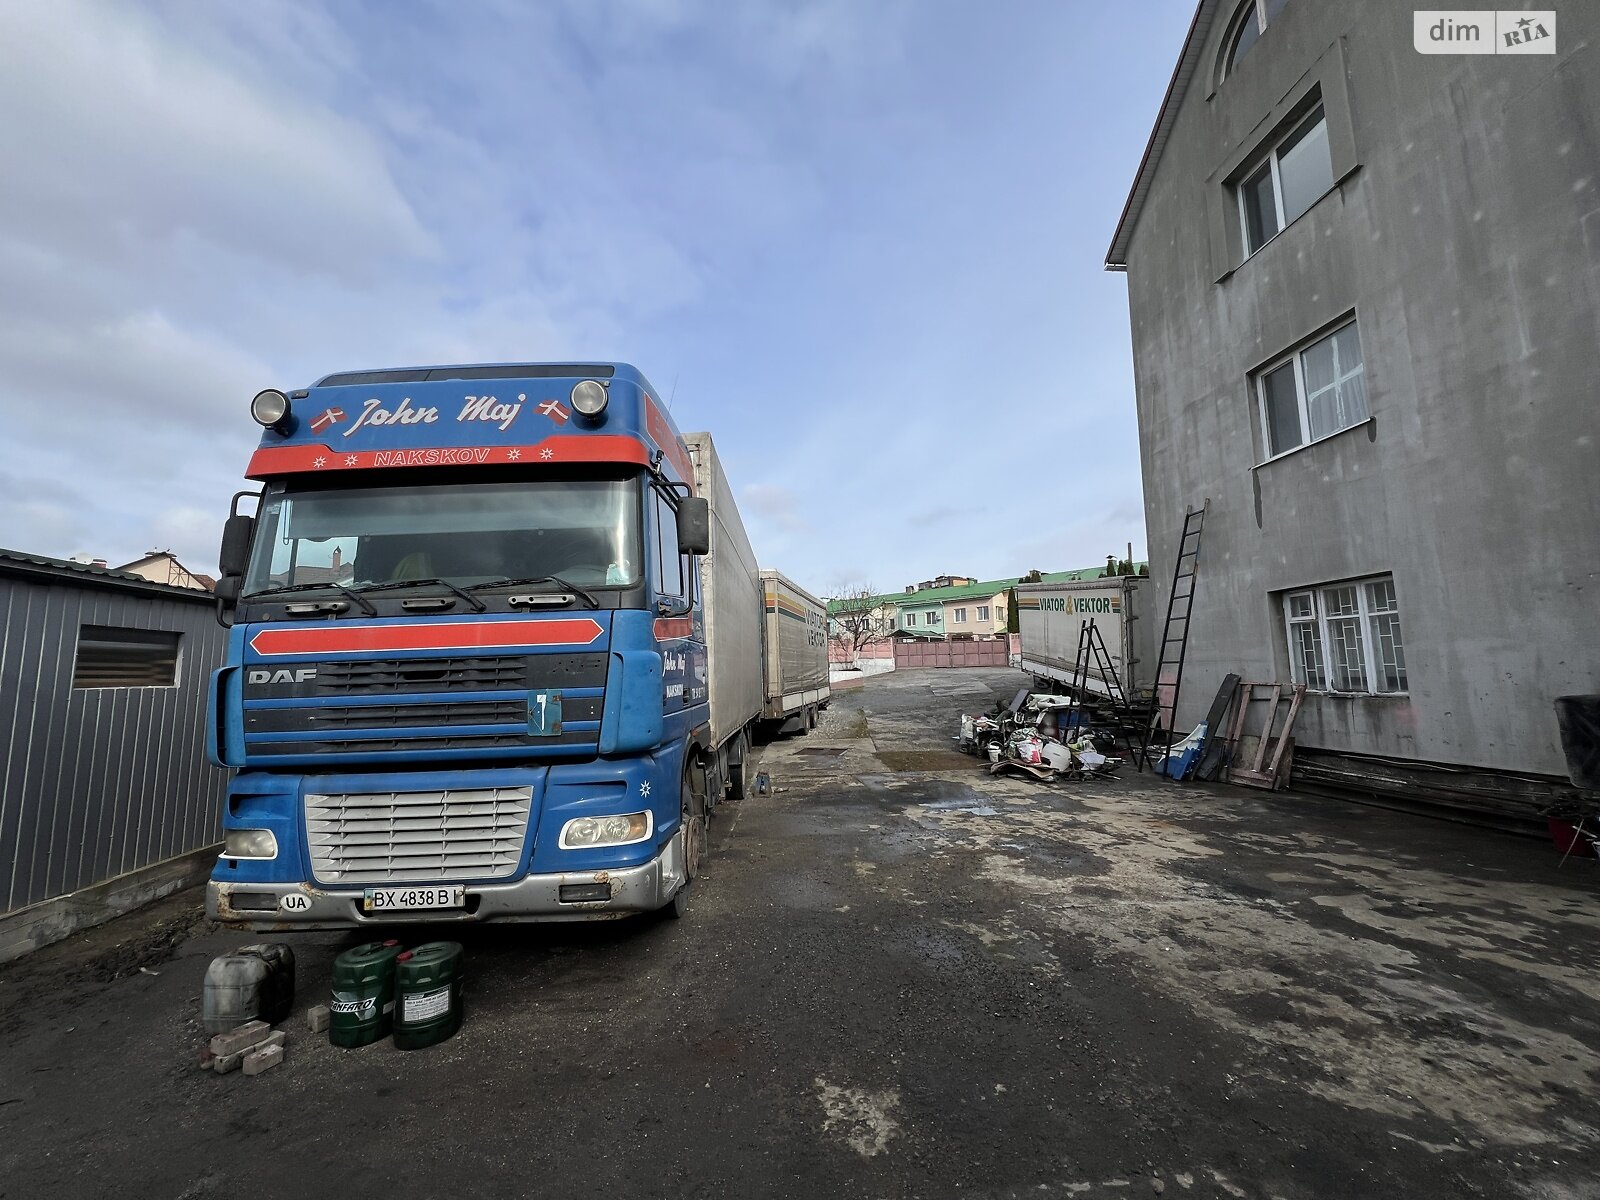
451	635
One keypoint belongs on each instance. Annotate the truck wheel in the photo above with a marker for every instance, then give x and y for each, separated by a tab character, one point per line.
674	909
738	773
811	719
693	815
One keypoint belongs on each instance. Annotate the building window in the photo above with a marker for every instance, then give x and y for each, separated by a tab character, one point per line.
1248	25
112	657
961	616
932	615
983	612
911	619
1316	392
1293	176
1346	637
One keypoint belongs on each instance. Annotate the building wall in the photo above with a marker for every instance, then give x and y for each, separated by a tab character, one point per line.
98	782
166	569
971	626
922	607
1465	234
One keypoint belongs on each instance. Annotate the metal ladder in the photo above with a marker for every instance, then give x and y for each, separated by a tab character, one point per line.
1092	652
1174	638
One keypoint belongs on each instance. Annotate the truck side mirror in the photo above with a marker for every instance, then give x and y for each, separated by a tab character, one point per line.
694	525
235	553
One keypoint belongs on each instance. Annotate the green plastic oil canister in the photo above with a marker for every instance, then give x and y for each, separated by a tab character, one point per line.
362	1009
427	995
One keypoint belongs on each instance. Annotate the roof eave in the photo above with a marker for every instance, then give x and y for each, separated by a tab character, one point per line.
1166	116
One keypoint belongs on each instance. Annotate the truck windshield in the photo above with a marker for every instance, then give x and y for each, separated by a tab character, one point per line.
586	531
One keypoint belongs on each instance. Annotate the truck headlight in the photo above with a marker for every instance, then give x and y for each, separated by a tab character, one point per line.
582	832
270	408
249	843
589	397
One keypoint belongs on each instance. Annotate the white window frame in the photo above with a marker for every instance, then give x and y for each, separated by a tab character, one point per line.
1258	10
983	612
961	616
1269	157
1258	384
911	619
1371	660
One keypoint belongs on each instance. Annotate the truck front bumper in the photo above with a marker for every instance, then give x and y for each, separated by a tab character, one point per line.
261	906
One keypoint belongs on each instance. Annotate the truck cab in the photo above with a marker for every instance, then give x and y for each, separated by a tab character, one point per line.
467	673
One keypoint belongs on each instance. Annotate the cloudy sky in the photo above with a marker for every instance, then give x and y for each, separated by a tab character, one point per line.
858	240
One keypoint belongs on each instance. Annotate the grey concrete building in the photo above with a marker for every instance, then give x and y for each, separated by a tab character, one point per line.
106	798
1363	286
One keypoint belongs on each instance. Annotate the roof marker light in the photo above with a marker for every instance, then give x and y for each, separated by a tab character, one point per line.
589	397
271	409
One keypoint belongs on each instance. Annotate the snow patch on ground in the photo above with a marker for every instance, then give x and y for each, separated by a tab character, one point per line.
861	1118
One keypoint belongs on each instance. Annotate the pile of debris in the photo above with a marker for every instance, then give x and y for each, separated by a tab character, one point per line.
1041	735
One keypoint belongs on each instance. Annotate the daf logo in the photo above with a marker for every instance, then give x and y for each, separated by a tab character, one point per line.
283	675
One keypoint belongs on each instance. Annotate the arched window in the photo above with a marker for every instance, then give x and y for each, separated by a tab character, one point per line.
1248	25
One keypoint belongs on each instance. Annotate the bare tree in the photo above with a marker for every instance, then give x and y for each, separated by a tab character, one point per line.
856	618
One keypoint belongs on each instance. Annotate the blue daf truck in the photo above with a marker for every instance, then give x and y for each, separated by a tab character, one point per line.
495	651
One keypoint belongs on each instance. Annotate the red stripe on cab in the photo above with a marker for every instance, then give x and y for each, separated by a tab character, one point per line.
454	635
271	461
668	628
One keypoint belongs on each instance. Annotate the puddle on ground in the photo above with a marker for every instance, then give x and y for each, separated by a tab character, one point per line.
926	760
978	808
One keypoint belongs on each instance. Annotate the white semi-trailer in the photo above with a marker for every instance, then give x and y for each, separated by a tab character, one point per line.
1051	618
730	585
796	655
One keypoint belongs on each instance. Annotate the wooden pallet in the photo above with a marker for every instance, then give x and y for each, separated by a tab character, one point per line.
1260	772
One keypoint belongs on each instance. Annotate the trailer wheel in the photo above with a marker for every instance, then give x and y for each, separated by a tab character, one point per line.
738	773
811	718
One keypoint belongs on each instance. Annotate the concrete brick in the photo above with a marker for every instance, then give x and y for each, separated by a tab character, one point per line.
318	1018
242	1038
225	1063
263	1059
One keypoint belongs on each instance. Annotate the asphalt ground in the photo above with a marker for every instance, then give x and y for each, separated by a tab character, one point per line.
899	976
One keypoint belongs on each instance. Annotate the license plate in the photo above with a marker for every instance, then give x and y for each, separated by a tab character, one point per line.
402	899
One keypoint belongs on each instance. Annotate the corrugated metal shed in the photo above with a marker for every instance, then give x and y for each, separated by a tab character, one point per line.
98	781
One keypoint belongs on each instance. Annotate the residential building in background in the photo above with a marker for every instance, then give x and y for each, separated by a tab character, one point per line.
162	566
981	614
939	581
965	609
1363	286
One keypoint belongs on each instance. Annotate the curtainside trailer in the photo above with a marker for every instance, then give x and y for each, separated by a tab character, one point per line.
796	654
1052	617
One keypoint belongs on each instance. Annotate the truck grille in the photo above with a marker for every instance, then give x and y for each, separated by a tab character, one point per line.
380	716
457	705
476	673
386	837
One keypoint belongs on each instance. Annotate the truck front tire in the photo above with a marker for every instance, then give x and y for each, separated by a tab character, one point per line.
692	813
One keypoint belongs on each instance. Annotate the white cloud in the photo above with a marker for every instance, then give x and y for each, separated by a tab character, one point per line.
142	141
775	504
793	208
